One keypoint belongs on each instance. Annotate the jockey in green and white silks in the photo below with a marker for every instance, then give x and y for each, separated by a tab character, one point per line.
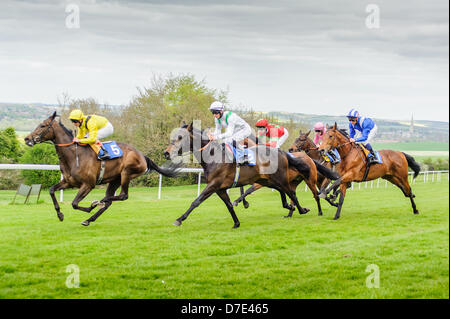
236	129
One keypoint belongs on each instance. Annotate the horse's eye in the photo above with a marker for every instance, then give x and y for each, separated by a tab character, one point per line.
42	126
180	137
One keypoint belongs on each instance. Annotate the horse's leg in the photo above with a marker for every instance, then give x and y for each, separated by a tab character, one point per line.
290	206
341	200
61	185
244	202
250	190
226	199
205	194
82	193
312	186
107	201
329	189
403	184
293	196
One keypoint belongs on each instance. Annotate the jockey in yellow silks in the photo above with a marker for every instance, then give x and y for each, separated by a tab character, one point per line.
91	129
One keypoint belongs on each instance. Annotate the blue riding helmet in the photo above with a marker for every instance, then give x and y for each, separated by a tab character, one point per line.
353	113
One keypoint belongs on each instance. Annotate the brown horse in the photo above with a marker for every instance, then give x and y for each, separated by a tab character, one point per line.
353	166
81	168
220	173
305	143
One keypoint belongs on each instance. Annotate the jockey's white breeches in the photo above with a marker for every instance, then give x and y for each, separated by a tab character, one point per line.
371	136
238	137
104	132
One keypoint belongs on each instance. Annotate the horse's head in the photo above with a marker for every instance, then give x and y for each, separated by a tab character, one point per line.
181	141
331	139
43	132
302	143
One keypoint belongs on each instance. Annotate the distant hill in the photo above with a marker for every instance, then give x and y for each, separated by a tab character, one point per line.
388	130
25	117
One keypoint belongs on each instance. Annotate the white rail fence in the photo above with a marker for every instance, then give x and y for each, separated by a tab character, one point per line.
427	176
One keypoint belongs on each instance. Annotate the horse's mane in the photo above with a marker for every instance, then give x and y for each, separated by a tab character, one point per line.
344	132
68	132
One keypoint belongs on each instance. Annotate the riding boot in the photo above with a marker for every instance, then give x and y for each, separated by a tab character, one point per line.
372	159
105	155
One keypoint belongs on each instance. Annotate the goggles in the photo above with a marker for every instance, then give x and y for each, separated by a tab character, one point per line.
215	112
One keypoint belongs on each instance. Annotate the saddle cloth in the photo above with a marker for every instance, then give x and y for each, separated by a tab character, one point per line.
330	158
379	160
238	154
113	150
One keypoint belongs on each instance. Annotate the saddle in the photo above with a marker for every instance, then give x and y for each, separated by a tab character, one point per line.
246	156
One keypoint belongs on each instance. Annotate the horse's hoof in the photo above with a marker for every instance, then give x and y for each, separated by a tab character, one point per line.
320	214
235	203
322	195
85	223
60	216
246	205
287	216
305	210
95	203
335	218
236	225
176	223
416	212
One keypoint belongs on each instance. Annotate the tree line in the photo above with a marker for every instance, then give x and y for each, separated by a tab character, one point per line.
146	123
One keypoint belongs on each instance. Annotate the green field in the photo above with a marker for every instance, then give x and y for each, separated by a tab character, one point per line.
413	146
133	251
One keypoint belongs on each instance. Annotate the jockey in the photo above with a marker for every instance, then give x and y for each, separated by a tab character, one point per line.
91	129
362	130
236	129
319	132
272	135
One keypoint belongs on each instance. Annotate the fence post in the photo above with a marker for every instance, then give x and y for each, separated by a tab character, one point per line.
61	194
159	186
199	180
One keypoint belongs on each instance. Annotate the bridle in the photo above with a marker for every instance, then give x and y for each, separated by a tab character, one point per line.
306	150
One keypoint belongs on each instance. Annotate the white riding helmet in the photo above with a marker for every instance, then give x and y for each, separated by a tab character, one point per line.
217	106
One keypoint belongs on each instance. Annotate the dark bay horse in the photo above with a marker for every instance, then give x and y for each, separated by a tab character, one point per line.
353	165
220	174
81	168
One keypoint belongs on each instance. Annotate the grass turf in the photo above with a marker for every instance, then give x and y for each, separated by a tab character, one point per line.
133	251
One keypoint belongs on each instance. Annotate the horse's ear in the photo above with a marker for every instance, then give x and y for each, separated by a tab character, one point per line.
53	115
309	132
327	126
190	127
183	124
335	125
300	132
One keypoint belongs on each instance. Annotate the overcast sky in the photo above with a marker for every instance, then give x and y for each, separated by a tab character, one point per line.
308	56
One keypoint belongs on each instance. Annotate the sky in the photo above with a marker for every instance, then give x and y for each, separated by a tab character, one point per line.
308	56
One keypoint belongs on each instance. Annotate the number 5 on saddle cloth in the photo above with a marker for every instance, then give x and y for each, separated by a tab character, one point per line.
112	148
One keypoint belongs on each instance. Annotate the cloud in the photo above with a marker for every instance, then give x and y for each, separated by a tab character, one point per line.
289	55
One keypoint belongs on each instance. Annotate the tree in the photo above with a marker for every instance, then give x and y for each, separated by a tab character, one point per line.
10	148
40	154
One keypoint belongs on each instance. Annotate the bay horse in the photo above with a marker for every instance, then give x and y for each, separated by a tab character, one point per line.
81	168
220	174
353	166
305	143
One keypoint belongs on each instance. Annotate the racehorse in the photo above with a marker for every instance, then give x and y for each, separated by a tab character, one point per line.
81	168
316	170
394	166
220	174
305	143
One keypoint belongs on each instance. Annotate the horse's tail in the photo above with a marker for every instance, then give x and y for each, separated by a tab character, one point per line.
325	171
170	171
299	165
412	164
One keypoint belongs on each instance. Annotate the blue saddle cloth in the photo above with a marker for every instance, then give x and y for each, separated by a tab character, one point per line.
331	159
113	150
238	154
378	157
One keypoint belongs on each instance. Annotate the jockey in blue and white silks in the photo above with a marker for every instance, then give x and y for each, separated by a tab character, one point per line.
362	130
236	129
